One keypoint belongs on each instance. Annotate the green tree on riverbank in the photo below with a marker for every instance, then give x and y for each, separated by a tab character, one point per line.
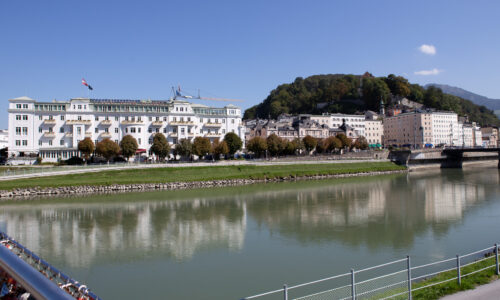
160	146
129	146
108	149
233	142
86	147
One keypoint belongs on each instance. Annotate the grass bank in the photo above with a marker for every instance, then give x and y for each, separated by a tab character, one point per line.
451	287
189	174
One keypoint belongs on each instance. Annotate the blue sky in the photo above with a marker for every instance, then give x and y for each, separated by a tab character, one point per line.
238	49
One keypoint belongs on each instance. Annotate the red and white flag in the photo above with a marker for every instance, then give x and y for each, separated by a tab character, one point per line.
84	82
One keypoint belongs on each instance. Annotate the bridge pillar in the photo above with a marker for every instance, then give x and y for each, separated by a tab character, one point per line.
400	157
453	160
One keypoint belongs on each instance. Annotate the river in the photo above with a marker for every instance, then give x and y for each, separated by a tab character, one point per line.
227	243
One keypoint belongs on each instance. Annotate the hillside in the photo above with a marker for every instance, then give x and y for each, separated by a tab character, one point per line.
356	93
493	104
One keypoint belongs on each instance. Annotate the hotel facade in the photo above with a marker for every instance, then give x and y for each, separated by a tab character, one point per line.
52	130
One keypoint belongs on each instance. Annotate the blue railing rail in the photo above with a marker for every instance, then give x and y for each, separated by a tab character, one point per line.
54	279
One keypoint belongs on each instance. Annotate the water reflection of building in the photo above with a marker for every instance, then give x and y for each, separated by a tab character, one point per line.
338	205
378	212
375	211
120	231
445	201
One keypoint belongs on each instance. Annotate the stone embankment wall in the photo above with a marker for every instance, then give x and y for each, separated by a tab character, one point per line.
87	189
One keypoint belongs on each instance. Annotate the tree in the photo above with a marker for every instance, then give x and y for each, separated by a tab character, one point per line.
361	143
201	146
322	146
346	142
184	148
219	148
275	145
398	85
257	145
107	148
233	142
86	147
333	143
309	143
374	91
160	146
290	148
299	145
129	146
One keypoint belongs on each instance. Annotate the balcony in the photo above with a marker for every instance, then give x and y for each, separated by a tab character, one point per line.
212	134
135	122
157	123
68	134
106	122
49	134
177	123
173	134
78	122
106	135
212	124
88	134
49	122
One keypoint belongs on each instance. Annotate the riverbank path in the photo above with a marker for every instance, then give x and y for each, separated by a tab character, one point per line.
483	292
42	172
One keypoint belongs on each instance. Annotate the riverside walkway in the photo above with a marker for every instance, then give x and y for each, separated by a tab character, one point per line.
55	171
483	292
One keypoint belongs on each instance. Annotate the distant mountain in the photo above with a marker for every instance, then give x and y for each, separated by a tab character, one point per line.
493	104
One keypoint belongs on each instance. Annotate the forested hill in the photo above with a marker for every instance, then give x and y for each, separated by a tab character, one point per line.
356	93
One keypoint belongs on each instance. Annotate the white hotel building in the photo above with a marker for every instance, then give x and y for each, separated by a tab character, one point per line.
52	130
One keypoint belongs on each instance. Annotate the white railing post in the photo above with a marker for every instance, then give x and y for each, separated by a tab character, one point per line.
408	265
496	259
285	292
353	285
459	277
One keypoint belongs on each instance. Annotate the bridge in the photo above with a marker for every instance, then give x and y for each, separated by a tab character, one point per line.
23	272
447	158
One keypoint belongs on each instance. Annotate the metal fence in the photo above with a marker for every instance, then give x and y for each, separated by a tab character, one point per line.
72	287
393	280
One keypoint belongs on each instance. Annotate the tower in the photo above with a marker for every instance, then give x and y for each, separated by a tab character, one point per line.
382	110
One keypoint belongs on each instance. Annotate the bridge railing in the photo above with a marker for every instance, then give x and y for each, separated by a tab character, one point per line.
396	279
26	267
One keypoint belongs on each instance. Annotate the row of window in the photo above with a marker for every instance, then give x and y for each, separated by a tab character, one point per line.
133	119
22	130
24	142
50	107
22	106
22	117
120	108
